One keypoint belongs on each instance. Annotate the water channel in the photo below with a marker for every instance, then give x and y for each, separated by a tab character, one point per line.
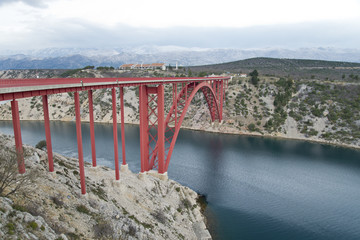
256	188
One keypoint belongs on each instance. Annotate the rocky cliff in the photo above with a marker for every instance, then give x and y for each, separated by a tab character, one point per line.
51	207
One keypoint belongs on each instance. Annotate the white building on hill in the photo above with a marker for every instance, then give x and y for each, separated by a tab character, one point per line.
152	66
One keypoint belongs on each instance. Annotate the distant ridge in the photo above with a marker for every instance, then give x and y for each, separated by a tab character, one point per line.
78	58
296	68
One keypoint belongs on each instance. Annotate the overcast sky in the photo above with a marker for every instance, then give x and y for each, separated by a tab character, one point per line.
34	24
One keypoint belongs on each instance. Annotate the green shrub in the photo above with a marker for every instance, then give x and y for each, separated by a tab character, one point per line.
41	144
103	230
83	209
69	73
33	225
11	228
251	127
317	112
19	208
312	132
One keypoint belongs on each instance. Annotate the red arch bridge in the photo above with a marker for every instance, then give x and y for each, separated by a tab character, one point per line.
158	133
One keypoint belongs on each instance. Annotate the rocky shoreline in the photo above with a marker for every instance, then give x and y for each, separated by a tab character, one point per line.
277	136
132	208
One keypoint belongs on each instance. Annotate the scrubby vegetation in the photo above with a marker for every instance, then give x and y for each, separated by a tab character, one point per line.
11	181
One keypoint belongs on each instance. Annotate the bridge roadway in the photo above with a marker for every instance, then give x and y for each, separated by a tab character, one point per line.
154	154
22	88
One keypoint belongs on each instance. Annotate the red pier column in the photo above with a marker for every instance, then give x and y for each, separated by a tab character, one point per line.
48	133
222	94
92	133
122	125
161	129
175	100
144	127
79	143
116	150
17	135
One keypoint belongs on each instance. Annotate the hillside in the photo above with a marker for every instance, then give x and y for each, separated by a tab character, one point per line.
51	206
308	108
295	68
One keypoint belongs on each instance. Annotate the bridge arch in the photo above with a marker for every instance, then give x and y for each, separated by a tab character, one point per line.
178	111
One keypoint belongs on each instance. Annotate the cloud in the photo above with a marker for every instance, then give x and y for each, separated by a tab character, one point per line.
32	3
333	34
83	34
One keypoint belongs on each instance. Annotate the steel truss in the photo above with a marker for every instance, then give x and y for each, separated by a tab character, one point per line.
158	137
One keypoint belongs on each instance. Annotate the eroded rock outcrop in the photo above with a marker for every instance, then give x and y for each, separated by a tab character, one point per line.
131	208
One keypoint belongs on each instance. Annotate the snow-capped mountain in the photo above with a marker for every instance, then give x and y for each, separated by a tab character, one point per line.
53	58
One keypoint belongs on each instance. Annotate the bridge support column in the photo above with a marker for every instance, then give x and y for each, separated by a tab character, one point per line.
47	132
17	135
222	95
122	126
79	143
92	132
161	129
152	145
144	127
116	150
175	100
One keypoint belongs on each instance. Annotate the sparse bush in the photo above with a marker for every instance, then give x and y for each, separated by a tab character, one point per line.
132	230
11	228
41	144
57	201
73	236
89	67
185	203
312	132
104	68
317	112
19	208
69	73
159	216
83	209
33	225
254	77
103	230
332	116
202	74
251	127
100	192
10	180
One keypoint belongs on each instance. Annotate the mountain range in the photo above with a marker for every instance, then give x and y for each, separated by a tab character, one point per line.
69	58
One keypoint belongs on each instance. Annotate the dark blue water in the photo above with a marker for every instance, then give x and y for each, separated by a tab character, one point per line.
257	188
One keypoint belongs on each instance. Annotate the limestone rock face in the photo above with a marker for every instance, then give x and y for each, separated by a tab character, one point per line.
132	208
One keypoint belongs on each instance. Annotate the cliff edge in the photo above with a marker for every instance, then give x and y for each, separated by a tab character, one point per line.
52	207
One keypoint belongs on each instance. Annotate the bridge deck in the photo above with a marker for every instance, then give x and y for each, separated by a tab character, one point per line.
23	85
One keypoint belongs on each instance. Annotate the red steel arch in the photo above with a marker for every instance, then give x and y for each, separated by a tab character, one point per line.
178	112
